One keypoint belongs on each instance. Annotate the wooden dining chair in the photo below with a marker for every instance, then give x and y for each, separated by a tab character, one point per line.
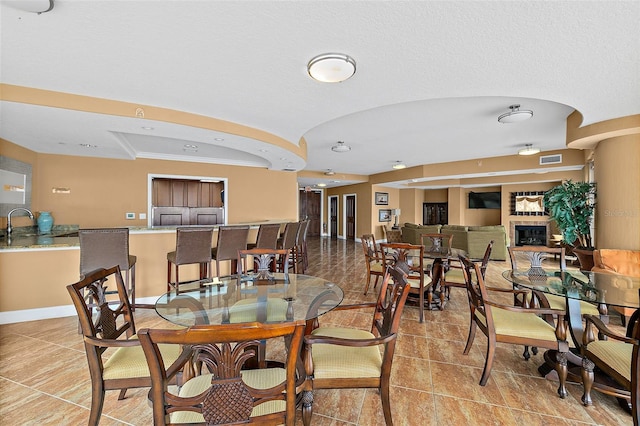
454	277
125	367
512	324
373	260
265	260
410	259
338	358
228	393
618	357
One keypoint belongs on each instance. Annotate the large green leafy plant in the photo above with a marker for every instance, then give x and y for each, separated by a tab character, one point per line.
571	205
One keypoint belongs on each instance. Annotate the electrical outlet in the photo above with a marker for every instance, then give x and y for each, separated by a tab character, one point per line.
142	216
130	216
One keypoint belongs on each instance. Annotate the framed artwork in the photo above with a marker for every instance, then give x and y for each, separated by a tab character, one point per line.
382	198
384	215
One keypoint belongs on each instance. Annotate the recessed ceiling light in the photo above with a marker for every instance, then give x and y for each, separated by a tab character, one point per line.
331	67
218	139
322	185
147	128
264	150
283	158
190	146
399	165
88	145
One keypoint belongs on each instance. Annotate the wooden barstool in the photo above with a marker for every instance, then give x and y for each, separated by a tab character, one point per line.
230	240
193	245
106	248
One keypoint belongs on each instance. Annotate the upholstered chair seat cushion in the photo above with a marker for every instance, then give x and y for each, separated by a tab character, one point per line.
415	283
245	310
615	354
454	275
334	361
130	361
558	302
377	267
527	326
259	379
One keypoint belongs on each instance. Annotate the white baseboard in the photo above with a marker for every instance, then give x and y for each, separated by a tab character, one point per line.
52	312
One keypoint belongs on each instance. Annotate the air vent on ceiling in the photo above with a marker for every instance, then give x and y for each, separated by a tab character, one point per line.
550	159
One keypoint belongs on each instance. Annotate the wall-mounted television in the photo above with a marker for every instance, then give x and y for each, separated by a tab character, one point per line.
484	200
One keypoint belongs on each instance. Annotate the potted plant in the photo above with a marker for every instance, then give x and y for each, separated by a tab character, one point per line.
571	205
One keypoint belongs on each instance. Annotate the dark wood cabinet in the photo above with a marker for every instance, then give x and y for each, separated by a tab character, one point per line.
435	213
186	193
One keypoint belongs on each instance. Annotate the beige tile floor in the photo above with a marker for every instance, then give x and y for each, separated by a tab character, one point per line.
44	377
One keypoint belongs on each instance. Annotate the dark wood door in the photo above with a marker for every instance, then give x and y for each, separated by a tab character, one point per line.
333	216
350	210
309	209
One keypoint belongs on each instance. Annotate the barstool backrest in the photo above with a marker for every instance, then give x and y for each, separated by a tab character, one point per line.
103	248
230	240
290	236
193	245
268	236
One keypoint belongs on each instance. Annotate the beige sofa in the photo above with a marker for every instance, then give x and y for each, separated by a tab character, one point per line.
472	239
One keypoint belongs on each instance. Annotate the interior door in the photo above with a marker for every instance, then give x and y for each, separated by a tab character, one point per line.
309	208
350	213
333	217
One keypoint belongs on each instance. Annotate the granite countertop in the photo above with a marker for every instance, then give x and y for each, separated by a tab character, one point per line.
66	236
28	237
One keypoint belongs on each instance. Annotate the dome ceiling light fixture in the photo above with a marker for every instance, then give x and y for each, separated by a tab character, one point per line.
515	115
329	172
399	165
528	150
331	67
341	147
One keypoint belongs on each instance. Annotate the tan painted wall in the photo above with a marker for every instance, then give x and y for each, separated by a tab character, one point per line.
103	190
617	172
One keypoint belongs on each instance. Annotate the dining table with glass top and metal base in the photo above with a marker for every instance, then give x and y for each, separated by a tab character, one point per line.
275	297
598	288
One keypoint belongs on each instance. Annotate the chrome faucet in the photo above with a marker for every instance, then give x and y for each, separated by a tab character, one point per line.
9	227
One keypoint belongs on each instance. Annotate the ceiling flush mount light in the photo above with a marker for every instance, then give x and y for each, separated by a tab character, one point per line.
33	6
331	67
321	185
515	115
399	165
528	150
329	172
341	147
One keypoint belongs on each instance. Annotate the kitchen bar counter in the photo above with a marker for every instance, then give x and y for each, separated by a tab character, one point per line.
42	266
66	236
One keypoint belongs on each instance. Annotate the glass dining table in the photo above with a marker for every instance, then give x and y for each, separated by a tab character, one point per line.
599	288
249	298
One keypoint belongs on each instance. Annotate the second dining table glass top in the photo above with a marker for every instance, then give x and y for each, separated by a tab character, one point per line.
595	287
248	298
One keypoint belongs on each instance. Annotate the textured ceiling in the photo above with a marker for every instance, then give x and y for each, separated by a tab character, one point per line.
431	78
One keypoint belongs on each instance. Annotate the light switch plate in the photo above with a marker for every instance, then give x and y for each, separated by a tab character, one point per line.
130	215
142	216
